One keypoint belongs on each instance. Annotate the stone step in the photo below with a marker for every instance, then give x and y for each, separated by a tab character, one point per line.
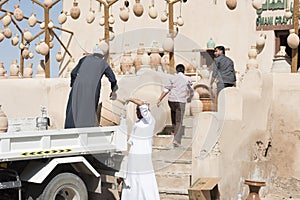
167	141
171	155
171	168
175	184
167	196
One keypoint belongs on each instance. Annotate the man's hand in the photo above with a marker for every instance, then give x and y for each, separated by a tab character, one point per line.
113	96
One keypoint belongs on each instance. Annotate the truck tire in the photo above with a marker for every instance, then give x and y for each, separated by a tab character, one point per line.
65	186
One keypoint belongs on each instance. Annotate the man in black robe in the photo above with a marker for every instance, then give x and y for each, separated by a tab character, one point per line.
85	91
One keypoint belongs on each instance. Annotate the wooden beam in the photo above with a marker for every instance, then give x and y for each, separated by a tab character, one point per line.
296	27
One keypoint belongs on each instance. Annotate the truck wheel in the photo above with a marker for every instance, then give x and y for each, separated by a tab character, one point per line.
65	186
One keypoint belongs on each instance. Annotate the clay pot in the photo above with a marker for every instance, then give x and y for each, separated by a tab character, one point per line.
7	32
90	17
155	59
28	71
44	48
138	59
25	53
51	44
126	62
111	19
257	4
58	56
145	59
21	46
168	44
32	20
1	36
15	40
50	24
37	48
165	62
288	14
62	18
207	104
31	54
3	121
196	105
27	35
75	11
164	16
14	69
47	2
18	13
40	70
42	25
180	21
138	8
71	66
124	14
6	20
104	46
260	42
152	12
231	4
102	21
2	71
252	62
293	39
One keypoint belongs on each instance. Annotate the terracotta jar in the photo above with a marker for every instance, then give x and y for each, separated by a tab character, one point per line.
168	44
28	71
25	53
90	16
1	36
102	21
145	59
152	12
32	20
252	62
47	2
2	71
138	8
126	62
7	32
288	14
75	11
40	70
44	48
231	4
257	4
18	13
3	121
293	39
31	54
58	56
111	19
124	14
15	40
180	21
62	18
14	69
165	62
6	20
260	42
138	59
27	35
155	58
164	16
196	105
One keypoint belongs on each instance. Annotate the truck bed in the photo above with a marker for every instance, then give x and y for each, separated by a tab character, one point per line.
62	142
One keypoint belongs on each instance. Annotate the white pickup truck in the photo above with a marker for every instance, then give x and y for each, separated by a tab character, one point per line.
59	164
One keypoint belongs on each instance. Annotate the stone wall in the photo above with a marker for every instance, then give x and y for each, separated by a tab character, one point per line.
254	135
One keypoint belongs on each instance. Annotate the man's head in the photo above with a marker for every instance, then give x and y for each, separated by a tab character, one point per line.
98	50
180	68
219	50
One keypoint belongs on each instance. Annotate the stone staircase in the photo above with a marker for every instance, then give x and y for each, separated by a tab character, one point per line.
173	166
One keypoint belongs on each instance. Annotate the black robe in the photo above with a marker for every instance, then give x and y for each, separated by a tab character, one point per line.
85	91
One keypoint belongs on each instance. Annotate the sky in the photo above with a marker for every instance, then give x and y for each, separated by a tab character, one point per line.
8	52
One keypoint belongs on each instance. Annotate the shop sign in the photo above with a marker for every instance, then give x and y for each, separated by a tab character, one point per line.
271	15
